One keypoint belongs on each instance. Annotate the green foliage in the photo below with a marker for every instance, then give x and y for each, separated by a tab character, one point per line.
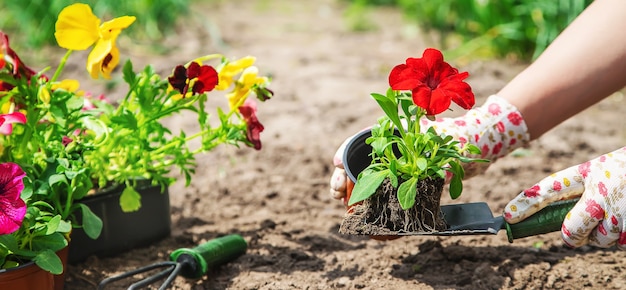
520	28
421	155
32	22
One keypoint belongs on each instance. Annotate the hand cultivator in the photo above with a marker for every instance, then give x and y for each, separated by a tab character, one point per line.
190	263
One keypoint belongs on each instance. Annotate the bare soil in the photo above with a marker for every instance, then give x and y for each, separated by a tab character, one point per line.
278	200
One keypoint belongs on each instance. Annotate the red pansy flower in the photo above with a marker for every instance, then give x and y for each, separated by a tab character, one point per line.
18	68
433	82
12	207
200	78
248	110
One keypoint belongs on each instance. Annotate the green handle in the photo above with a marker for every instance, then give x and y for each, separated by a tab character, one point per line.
547	220
210	254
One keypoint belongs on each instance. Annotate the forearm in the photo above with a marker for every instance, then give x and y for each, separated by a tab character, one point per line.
585	64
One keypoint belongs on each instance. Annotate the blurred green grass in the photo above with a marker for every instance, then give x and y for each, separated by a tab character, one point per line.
30	23
519	29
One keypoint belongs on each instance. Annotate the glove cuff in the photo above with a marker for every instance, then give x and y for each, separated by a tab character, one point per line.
497	128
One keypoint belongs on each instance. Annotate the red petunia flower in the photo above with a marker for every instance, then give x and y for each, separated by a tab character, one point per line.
201	78
248	110
433	82
12	207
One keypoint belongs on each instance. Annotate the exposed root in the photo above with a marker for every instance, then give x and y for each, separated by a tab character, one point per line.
382	214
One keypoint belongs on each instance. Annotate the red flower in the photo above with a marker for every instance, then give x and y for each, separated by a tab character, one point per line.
497	148
19	69
248	110
557	186
594	209
532	192
601	229
515	118
202	78
500	127
12	207
433	82
622	238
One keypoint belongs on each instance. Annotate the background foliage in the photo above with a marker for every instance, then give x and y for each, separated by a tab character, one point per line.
31	23
490	28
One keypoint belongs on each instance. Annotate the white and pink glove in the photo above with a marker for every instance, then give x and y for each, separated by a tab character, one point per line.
599	218
496	127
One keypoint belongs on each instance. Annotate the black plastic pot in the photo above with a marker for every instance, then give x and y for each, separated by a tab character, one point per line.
356	156
123	231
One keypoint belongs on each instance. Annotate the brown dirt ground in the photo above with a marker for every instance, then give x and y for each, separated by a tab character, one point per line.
278	198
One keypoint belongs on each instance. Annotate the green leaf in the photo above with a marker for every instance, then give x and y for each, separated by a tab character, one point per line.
421	163
53	242
53	224
130	200
366	186
473	149
49	261
407	191
92	224
57	178
456	187
95	125
128	73
389	107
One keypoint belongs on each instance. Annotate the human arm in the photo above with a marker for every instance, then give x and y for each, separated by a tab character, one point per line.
583	65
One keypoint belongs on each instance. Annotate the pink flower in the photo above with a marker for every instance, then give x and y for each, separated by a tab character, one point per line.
532	192
12	207
602	189
584	169
6	121
557	186
594	209
248	110
494	109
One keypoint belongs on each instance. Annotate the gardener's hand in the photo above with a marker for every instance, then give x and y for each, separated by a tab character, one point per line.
599	218
496	127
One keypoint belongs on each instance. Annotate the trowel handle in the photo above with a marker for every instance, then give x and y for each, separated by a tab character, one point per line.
210	254
547	220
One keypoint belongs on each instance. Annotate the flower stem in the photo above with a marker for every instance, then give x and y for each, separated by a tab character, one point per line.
61	66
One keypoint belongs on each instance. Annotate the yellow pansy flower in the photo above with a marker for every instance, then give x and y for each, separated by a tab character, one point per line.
69	85
77	28
249	78
231	69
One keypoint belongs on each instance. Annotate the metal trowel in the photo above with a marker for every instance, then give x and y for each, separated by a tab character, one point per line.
476	218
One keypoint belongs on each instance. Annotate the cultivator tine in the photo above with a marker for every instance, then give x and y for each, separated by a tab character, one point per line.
171	267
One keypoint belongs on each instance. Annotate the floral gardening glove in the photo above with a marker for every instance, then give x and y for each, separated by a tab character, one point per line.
599	218
496	127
